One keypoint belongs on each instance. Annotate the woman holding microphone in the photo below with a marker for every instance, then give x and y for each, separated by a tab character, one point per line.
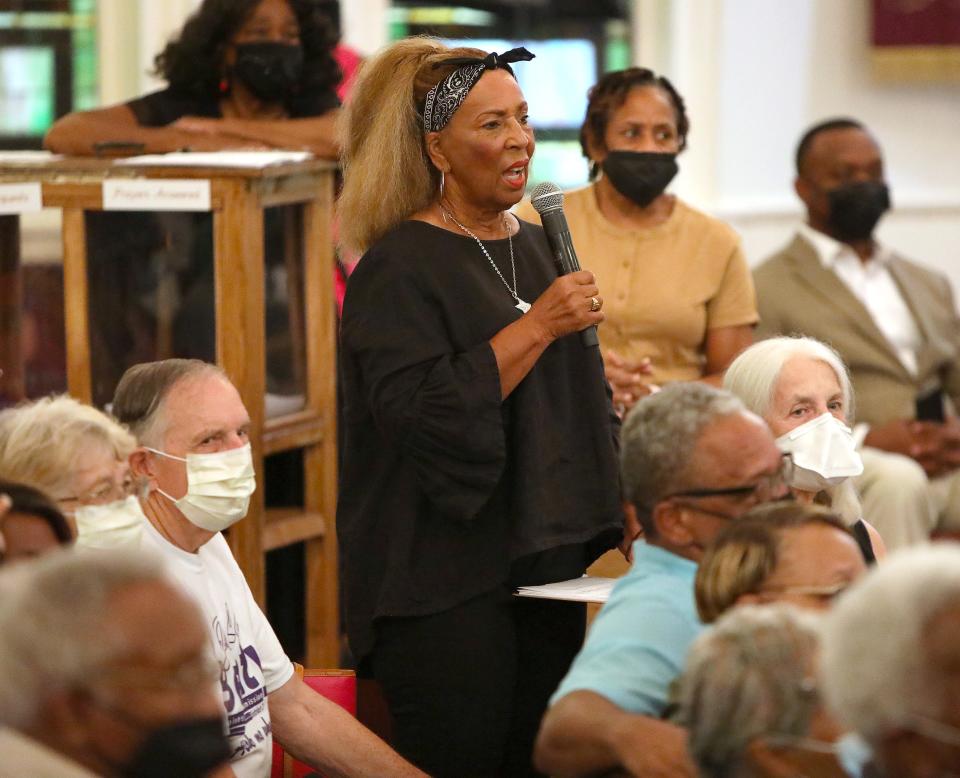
480	440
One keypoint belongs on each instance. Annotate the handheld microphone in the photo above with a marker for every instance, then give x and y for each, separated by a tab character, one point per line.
547	199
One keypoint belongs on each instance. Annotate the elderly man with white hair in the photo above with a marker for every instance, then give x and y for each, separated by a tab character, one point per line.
890	662
692	460
105	670
748	697
194	457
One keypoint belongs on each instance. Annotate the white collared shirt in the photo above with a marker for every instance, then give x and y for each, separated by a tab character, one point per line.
872	284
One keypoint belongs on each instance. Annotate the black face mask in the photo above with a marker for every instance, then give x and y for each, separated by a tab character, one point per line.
640	175
190	748
270	70
856	208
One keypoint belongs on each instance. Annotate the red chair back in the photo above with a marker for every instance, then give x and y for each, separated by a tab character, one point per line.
339	686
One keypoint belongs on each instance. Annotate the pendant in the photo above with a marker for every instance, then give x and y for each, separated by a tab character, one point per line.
522	306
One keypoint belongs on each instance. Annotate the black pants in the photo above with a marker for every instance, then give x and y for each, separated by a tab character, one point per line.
467	687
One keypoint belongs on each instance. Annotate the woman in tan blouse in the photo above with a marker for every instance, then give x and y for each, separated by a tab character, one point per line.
680	303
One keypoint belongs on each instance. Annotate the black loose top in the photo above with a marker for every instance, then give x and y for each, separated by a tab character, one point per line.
443	483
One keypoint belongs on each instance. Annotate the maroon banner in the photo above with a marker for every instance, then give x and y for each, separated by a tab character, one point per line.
916	22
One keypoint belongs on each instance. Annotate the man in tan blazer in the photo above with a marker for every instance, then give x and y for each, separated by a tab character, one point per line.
893	321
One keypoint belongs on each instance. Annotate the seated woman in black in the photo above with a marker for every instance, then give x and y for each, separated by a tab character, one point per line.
242	74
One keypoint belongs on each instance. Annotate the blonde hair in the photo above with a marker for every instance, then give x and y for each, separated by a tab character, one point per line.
387	173
42	442
745	554
753	377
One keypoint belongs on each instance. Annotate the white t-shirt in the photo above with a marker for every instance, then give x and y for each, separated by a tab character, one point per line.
252	660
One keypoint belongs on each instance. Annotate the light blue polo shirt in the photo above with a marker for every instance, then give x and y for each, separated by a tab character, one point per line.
638	643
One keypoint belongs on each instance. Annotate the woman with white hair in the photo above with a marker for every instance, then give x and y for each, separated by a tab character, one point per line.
749	700
76	455
801	388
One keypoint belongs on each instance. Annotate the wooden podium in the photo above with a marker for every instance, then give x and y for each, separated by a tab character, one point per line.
238	199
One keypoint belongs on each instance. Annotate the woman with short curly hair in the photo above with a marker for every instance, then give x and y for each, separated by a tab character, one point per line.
241	74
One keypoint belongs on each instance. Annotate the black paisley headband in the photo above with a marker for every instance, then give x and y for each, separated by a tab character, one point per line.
445	98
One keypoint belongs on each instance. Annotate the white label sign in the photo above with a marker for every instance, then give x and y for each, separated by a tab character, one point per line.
20	198
156	194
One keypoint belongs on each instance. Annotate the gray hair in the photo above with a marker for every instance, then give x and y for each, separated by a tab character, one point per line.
44	442
55	630
659	438
876	677
139	398
749	675
753	377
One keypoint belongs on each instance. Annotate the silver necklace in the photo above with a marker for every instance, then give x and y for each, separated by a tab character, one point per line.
521	306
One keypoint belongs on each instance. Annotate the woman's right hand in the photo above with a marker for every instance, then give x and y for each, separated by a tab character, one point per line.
565	305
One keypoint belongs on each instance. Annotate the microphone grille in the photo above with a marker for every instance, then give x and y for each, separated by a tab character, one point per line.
546	197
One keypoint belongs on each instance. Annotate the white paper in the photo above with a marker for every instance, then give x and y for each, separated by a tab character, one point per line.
8	156
21	198
243	159
584	589
156	194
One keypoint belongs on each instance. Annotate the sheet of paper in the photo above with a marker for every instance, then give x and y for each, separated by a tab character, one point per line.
156	194
20	198
244	159
584	589
9	156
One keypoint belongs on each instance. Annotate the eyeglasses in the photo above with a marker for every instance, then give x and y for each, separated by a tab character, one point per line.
105	493
826	592
767	488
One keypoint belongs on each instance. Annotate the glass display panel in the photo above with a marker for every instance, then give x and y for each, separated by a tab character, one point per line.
285	309
150	277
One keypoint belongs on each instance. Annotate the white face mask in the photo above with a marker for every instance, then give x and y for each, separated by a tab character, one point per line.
219	486
823	453
850	750
114	525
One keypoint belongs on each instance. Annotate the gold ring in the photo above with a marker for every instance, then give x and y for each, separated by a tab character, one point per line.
595	304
